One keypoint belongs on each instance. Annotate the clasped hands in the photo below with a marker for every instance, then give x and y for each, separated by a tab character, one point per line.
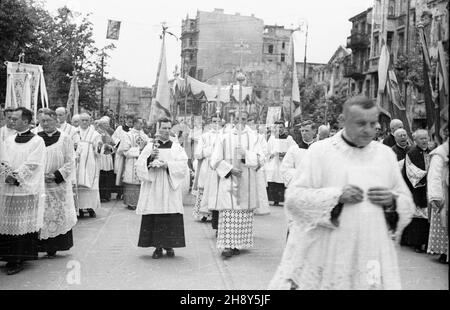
379	195
153	156
49	177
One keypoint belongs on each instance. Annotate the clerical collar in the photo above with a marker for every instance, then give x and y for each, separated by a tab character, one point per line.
308	143
350	143
125	128
402	147
50	138
24	137
21	133
52	133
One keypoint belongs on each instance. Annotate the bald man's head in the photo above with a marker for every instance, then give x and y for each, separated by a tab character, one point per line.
401	137
395	124
85	120
421	138
323	132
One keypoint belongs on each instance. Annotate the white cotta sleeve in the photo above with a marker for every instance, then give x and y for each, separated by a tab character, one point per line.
404	201
198	152
287	167
30	173
434	179
69	158
142	171
218	162
126	149
308	203
116	136
177	166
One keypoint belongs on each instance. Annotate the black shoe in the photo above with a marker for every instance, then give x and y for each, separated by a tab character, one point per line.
204	219
81	214
227	253
158	253
236	252
131	208
443	259
51	254
419	250
170	252
15	268
92	213
276	204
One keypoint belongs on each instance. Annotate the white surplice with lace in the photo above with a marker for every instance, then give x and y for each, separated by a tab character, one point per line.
59	216
27	161
360	252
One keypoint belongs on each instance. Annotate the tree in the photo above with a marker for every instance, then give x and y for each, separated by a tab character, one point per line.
59	43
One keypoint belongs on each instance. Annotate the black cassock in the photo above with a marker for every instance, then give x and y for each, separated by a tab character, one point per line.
162	230
416	233
400	152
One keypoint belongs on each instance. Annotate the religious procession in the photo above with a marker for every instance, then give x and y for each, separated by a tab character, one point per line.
245	165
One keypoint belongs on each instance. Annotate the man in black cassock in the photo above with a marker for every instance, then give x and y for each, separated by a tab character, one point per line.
401	146
415	175
307	129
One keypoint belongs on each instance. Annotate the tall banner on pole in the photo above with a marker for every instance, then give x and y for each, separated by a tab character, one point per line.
74	94
295	91
161	103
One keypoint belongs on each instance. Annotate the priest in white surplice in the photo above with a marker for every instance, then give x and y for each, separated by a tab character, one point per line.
161	167
205	177
348	202
8	129
131	147
277	146
65	127
21	193
88	166
236	158
60	215
119	160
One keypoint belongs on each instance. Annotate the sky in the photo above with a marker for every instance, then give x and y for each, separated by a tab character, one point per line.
136	56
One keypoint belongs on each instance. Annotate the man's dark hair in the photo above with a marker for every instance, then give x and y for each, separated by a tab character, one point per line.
279	123
165	120
360	101
7	110
308	123
49	112
26	114
130	116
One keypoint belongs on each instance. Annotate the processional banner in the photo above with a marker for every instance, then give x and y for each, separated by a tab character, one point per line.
273	115
23	84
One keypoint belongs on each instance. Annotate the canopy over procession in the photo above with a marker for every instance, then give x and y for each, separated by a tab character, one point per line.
355	178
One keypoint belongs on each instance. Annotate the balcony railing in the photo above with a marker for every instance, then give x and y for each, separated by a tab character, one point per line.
353	71
358	39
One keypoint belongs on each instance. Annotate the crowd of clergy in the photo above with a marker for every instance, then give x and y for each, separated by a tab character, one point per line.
349	193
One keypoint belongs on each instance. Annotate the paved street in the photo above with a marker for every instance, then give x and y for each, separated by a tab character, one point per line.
106	252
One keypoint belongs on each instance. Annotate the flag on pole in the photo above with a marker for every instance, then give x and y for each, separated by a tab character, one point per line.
161	103
113	30
295	106
441	105
72	100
